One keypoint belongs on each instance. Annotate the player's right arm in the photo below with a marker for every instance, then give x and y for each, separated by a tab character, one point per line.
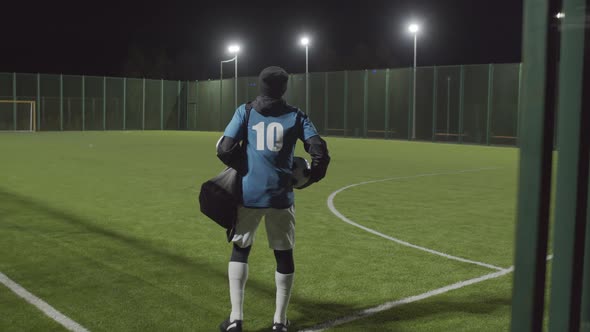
317	149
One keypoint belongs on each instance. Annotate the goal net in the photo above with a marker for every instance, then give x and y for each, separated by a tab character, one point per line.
17	115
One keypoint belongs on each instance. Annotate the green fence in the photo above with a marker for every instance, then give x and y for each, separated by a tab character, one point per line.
472	103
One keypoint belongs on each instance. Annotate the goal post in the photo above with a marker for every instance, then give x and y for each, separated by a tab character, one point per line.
18	115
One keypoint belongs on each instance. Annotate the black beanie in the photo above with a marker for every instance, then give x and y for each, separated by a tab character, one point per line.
273	82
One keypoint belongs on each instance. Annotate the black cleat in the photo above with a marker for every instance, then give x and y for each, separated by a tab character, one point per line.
280	327
227	326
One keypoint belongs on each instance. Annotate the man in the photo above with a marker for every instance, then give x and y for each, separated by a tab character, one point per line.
273	129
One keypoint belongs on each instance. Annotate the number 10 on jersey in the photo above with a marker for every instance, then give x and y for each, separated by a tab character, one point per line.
274	136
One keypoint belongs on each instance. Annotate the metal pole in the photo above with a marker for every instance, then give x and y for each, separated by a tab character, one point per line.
571	197
93	114
125	103
196	104
387	129
448	106
143	105
61	102
220	89
83	103
178	90
326	104
161	104
43	107
38	102
434	101
414	90
518	102
104	103
307	106
365	102
461	104
69	112
536	153
116	109
345	113
409	127
31	123
14	112
220	110
236	85
490	98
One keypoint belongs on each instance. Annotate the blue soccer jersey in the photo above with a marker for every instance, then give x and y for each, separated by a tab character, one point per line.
271	144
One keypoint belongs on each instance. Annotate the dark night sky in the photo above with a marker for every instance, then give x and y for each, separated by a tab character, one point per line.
186	40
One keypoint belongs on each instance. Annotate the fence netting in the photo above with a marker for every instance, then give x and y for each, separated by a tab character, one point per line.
475	104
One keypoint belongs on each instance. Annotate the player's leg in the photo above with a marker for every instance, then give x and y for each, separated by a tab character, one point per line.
237	272
284	276
280	227
248	221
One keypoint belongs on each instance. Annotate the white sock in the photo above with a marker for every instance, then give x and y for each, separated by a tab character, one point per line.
284	283
238	274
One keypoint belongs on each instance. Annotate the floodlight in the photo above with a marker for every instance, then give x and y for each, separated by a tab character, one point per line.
234	48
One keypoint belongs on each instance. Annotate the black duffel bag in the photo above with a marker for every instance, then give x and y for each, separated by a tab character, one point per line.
220	198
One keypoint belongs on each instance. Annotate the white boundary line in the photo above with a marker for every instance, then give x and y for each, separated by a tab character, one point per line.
392	304
404	243
48	310
388	305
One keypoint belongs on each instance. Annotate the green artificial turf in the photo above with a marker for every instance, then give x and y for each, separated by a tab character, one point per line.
106	228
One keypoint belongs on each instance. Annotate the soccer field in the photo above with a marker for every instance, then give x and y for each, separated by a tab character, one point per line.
105	227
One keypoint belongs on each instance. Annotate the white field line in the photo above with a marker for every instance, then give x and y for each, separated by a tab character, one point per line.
388	305
404	243
392	304
48	310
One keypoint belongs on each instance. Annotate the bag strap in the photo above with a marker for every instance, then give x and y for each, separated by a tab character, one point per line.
245	126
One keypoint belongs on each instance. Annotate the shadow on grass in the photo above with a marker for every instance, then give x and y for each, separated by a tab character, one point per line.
20	205
463	311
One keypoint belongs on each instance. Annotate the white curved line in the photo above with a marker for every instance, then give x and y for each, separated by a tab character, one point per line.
404	243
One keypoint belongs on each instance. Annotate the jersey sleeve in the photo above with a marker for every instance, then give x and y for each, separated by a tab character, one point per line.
309	130
235	126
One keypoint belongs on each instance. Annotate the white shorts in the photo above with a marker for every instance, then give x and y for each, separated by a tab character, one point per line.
280	227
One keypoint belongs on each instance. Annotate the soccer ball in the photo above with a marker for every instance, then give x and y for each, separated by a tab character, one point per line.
301	171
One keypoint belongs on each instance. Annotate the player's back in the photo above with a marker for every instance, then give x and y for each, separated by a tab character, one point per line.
272	137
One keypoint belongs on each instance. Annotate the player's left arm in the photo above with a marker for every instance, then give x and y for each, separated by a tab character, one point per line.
228	147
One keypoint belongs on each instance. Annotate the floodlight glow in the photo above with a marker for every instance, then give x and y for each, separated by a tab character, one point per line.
413	28
305	41
560	15
234	48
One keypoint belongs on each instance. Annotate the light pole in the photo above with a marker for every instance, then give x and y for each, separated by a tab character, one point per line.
305	43
448	105
234	49
414	28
